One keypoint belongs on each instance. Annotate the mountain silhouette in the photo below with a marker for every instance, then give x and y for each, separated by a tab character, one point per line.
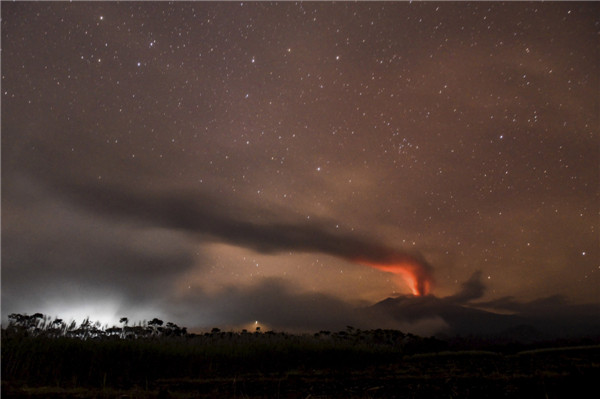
524	322
459	318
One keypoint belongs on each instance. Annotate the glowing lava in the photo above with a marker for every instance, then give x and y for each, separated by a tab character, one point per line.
415	274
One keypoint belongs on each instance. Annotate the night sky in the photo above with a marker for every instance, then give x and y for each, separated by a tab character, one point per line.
219	164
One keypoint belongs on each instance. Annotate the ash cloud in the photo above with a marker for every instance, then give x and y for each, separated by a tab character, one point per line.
220	221
471	289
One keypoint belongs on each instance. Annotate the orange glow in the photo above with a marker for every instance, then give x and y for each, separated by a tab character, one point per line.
411	272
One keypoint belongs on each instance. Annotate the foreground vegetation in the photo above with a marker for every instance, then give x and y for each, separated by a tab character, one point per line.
49	358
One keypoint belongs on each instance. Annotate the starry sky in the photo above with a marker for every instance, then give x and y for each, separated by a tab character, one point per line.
222	163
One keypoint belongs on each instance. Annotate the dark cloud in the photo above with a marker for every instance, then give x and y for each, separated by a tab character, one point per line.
471	289
257	229
62	250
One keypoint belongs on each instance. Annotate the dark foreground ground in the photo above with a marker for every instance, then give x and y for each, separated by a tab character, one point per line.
283	366
572	373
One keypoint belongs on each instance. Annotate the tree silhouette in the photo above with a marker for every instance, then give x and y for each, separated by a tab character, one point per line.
155	322
42	325
155	326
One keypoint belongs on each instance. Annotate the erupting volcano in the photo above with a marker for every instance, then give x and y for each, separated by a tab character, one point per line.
414	272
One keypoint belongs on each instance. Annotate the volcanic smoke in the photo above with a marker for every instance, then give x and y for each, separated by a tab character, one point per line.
414	272
199	214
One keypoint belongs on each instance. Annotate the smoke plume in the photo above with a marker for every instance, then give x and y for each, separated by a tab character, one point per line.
204	215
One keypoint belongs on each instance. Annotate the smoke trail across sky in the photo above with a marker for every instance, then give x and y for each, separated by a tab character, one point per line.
199	213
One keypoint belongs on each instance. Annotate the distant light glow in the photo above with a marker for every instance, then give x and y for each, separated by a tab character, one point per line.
105	312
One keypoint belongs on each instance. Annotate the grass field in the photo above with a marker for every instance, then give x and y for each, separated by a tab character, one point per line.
344	364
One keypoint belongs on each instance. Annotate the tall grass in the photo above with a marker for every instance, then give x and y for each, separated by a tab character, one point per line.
38	351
